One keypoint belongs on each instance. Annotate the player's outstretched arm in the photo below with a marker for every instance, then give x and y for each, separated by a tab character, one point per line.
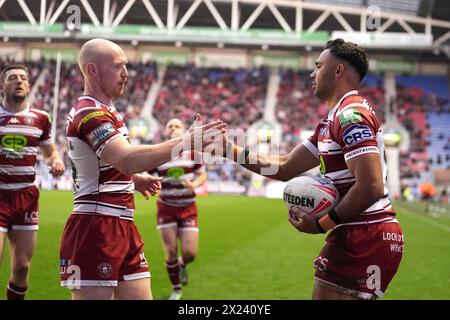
277	167
132	159
53	159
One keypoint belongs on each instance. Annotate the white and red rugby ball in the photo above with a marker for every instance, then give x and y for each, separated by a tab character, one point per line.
312	195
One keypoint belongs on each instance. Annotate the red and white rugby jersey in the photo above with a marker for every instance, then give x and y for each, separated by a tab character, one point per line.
350	130
99	188
173	174
21	134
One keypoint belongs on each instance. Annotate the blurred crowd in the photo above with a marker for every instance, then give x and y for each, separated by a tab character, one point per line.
420	111
235	96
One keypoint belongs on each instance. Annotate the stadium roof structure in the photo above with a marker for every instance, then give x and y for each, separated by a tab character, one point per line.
378	24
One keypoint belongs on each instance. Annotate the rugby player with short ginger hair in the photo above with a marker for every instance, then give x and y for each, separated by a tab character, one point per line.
102	252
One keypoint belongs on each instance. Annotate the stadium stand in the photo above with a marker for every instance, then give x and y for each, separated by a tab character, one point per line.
236	96
423	108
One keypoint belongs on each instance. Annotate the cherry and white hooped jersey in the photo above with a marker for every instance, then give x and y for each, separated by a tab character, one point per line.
21	134
174	173
99	188
350	130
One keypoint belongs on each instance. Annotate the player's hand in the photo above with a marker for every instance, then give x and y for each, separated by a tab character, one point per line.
147	184
302	222
57	167
201	135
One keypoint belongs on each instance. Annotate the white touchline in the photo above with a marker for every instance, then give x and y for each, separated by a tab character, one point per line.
429	221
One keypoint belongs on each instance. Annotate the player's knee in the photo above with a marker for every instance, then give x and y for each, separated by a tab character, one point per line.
189	256
171	254
20	270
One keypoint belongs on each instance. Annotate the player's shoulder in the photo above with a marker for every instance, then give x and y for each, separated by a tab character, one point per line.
353	109
84	106
85	109
39	114
355	101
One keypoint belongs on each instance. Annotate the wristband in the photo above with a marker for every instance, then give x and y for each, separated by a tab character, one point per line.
334	217
319	227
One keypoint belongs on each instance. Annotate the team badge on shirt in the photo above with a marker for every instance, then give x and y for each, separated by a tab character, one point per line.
104	270
29	121
349	116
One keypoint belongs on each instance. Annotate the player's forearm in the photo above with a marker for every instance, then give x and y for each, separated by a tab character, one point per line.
201	179
50	153
147	157
52	157
263	164
137	177
360	197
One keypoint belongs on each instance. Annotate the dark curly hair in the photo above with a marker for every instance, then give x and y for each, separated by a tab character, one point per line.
11	67
350	52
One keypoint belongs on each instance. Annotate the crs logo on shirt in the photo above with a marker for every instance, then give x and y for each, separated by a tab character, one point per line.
356	134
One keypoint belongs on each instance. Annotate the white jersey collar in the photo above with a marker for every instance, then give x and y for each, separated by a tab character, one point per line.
6	112
97	102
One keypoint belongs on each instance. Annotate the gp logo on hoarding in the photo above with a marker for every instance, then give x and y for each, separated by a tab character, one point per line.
14	141
356	134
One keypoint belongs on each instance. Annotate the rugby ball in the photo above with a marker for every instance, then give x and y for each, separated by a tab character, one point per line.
312	195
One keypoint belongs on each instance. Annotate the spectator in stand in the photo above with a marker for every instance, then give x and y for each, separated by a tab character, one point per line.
427	191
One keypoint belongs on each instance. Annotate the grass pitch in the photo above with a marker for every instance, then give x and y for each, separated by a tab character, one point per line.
247	250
